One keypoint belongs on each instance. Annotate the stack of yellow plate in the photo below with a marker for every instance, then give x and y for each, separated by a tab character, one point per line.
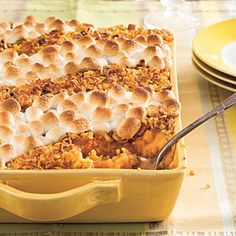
214	54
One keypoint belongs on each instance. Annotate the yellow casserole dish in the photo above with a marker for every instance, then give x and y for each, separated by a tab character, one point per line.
93	195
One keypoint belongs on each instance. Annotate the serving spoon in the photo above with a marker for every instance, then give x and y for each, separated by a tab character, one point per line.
146	163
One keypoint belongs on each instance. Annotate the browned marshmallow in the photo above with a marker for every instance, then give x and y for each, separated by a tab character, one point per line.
71	68
121	109
49	120
29	143
157	62
98	98
129	46
6	133
67	104
93	51
10	105
42	102
78	98
154	39
85	41
23	129
58	98
66	117
49	55
136	112
36	127
128	128
80	125
141	39
140	95
117	91
67	47
102	114
6	118
7	152
33	113
111	48
89	63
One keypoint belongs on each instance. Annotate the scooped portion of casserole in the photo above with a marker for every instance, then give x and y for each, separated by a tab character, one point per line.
75	96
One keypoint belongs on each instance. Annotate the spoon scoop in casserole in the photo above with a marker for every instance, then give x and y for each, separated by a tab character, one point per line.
155	162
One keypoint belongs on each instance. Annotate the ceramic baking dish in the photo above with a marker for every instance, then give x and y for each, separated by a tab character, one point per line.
92	195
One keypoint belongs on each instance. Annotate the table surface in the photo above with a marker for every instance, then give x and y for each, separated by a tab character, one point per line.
207	202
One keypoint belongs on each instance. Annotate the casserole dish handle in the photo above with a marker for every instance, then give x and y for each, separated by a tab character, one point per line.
59	206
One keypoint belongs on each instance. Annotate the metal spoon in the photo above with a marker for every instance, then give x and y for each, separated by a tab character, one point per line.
155	161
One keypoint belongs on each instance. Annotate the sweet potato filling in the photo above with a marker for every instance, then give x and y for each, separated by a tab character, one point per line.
93	150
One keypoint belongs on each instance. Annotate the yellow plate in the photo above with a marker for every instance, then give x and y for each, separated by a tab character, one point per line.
214	80
208	44
217	74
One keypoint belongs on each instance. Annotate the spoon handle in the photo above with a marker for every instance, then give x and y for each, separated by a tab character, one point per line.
230	101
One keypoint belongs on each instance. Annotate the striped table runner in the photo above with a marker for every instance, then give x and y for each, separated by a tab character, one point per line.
207	203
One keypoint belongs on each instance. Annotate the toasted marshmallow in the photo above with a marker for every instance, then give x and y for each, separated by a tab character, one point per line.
40	28
102	114
33	113
66	47
10	105
78	98
140	95
89	63
8	55
111	48
87	109
7	153
58	98
117	91
66	117
70	56
98	98
39	69
11	72
67	104
36	127
20	117
152	51
23	129
154	39
71	68
78	126
57	24
31	19
101	126
49	20
85	41
55	133
6	118
24	63
93	51
49	120
50	55
42	102
157	62
120	109
141	39
54	71
6	133
17	143
128	128
29	143
129	46
136	112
